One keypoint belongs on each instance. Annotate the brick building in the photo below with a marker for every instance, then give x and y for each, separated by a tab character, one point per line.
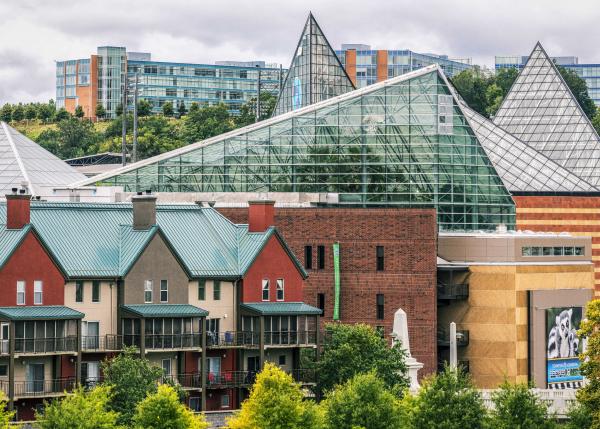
407	238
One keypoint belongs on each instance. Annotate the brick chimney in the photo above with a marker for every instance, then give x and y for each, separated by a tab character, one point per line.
261	215
144	210
17	209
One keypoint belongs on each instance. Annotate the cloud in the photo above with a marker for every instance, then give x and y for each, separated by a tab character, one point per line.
35	33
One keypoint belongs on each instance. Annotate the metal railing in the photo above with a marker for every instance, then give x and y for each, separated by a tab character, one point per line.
164	341
284	338
39	388
101	343
443	338
186	380
43	345
559	401
449	291
229	379
232	339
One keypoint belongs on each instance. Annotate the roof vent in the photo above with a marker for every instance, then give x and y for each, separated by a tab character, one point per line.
14	190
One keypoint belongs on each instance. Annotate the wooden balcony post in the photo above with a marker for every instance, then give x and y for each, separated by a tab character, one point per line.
11	366
142	337
203	364
261	342
78	359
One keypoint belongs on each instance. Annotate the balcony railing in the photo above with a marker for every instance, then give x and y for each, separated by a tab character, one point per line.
451	291
291	338
462	338
101	343
232	339
165	341
230	379
187	380
42	345
39	388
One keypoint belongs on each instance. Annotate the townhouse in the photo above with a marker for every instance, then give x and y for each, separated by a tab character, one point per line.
207	300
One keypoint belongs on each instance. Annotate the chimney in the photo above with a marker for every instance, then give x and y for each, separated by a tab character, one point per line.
17	209
261	215
144	210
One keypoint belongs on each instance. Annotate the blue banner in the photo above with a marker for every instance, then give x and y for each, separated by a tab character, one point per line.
560	370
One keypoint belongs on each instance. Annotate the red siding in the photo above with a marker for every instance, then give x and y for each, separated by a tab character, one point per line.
31	262
273	263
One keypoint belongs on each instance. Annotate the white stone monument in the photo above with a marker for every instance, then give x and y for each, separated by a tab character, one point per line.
400	334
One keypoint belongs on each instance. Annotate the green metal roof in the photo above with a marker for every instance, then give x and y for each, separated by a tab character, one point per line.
98	240
164	310
43	312
10	240
279	308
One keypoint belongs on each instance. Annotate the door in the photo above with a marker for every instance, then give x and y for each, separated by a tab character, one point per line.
214	369
35	377
4	338
93	373
253	368
166	365
91	335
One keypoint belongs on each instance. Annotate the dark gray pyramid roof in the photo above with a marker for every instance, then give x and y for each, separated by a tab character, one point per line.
541	111
315	74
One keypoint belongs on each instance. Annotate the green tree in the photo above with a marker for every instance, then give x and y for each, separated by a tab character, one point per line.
76	138
18	112
119	109
589	394
46	111
579	89
30	111
362	402
79	113
579	417
132	378
181	109
100	112
5	416
356	349
248	110
447	401
144	108
81	410
472	85
167	109
62	114
493	98
6	113
206	122
504	78
275	401
517	407
163	410
194	107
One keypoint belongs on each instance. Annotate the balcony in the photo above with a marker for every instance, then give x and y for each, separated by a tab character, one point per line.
34	346
104	343
190	381
231	379
40	388
290	338
232	339
158	342
443	338
452	291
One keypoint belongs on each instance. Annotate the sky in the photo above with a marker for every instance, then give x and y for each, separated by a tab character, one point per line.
36	33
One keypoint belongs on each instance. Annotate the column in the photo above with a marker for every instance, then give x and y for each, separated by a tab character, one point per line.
203	365
11	366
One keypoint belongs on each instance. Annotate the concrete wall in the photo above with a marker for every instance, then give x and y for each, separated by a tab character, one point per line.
223	309
104	311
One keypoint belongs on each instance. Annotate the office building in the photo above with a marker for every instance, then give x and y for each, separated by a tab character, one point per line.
366	66
100	80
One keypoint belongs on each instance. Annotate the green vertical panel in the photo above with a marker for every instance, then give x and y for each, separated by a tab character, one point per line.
336	277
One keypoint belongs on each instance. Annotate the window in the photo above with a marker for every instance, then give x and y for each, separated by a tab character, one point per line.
79	291
308	257
380	304
380	331
201	290
321	303
321	257
558	251
380	258
214	367
280	289
95	291
166	366
281	359
265	290
164	291
3	370
20	292
37	292
224	401
148	291
195	403
216	290
579	251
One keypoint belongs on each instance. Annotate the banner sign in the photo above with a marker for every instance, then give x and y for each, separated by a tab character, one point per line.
336	273
562	345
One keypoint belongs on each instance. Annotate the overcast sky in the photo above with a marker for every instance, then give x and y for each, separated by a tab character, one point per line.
35	33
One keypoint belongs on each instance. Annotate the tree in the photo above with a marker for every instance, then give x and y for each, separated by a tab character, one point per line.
18	113
144	108
100	112
194	107
79	113
362	402
589	394
119	109
493	97
181	109
6	113
579	89
30	111
132	378
62	114
248	110
82	410
5	416
356	349
579	417
206	122
163	410
167	109
447	401
75	138
275	401
516	406
46	111
472	86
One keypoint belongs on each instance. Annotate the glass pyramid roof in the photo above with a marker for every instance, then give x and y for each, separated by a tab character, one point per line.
403	142
315	74
24	162
541	111
520	166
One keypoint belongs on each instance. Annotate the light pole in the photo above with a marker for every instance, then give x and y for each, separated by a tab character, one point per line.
258	95
135	117
124	124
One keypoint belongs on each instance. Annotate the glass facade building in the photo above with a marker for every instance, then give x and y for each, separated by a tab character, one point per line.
403	142
541	111
112	74
315	74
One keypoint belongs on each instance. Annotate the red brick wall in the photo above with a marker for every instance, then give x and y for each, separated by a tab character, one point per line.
20	266
408	282
577	215
273	263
